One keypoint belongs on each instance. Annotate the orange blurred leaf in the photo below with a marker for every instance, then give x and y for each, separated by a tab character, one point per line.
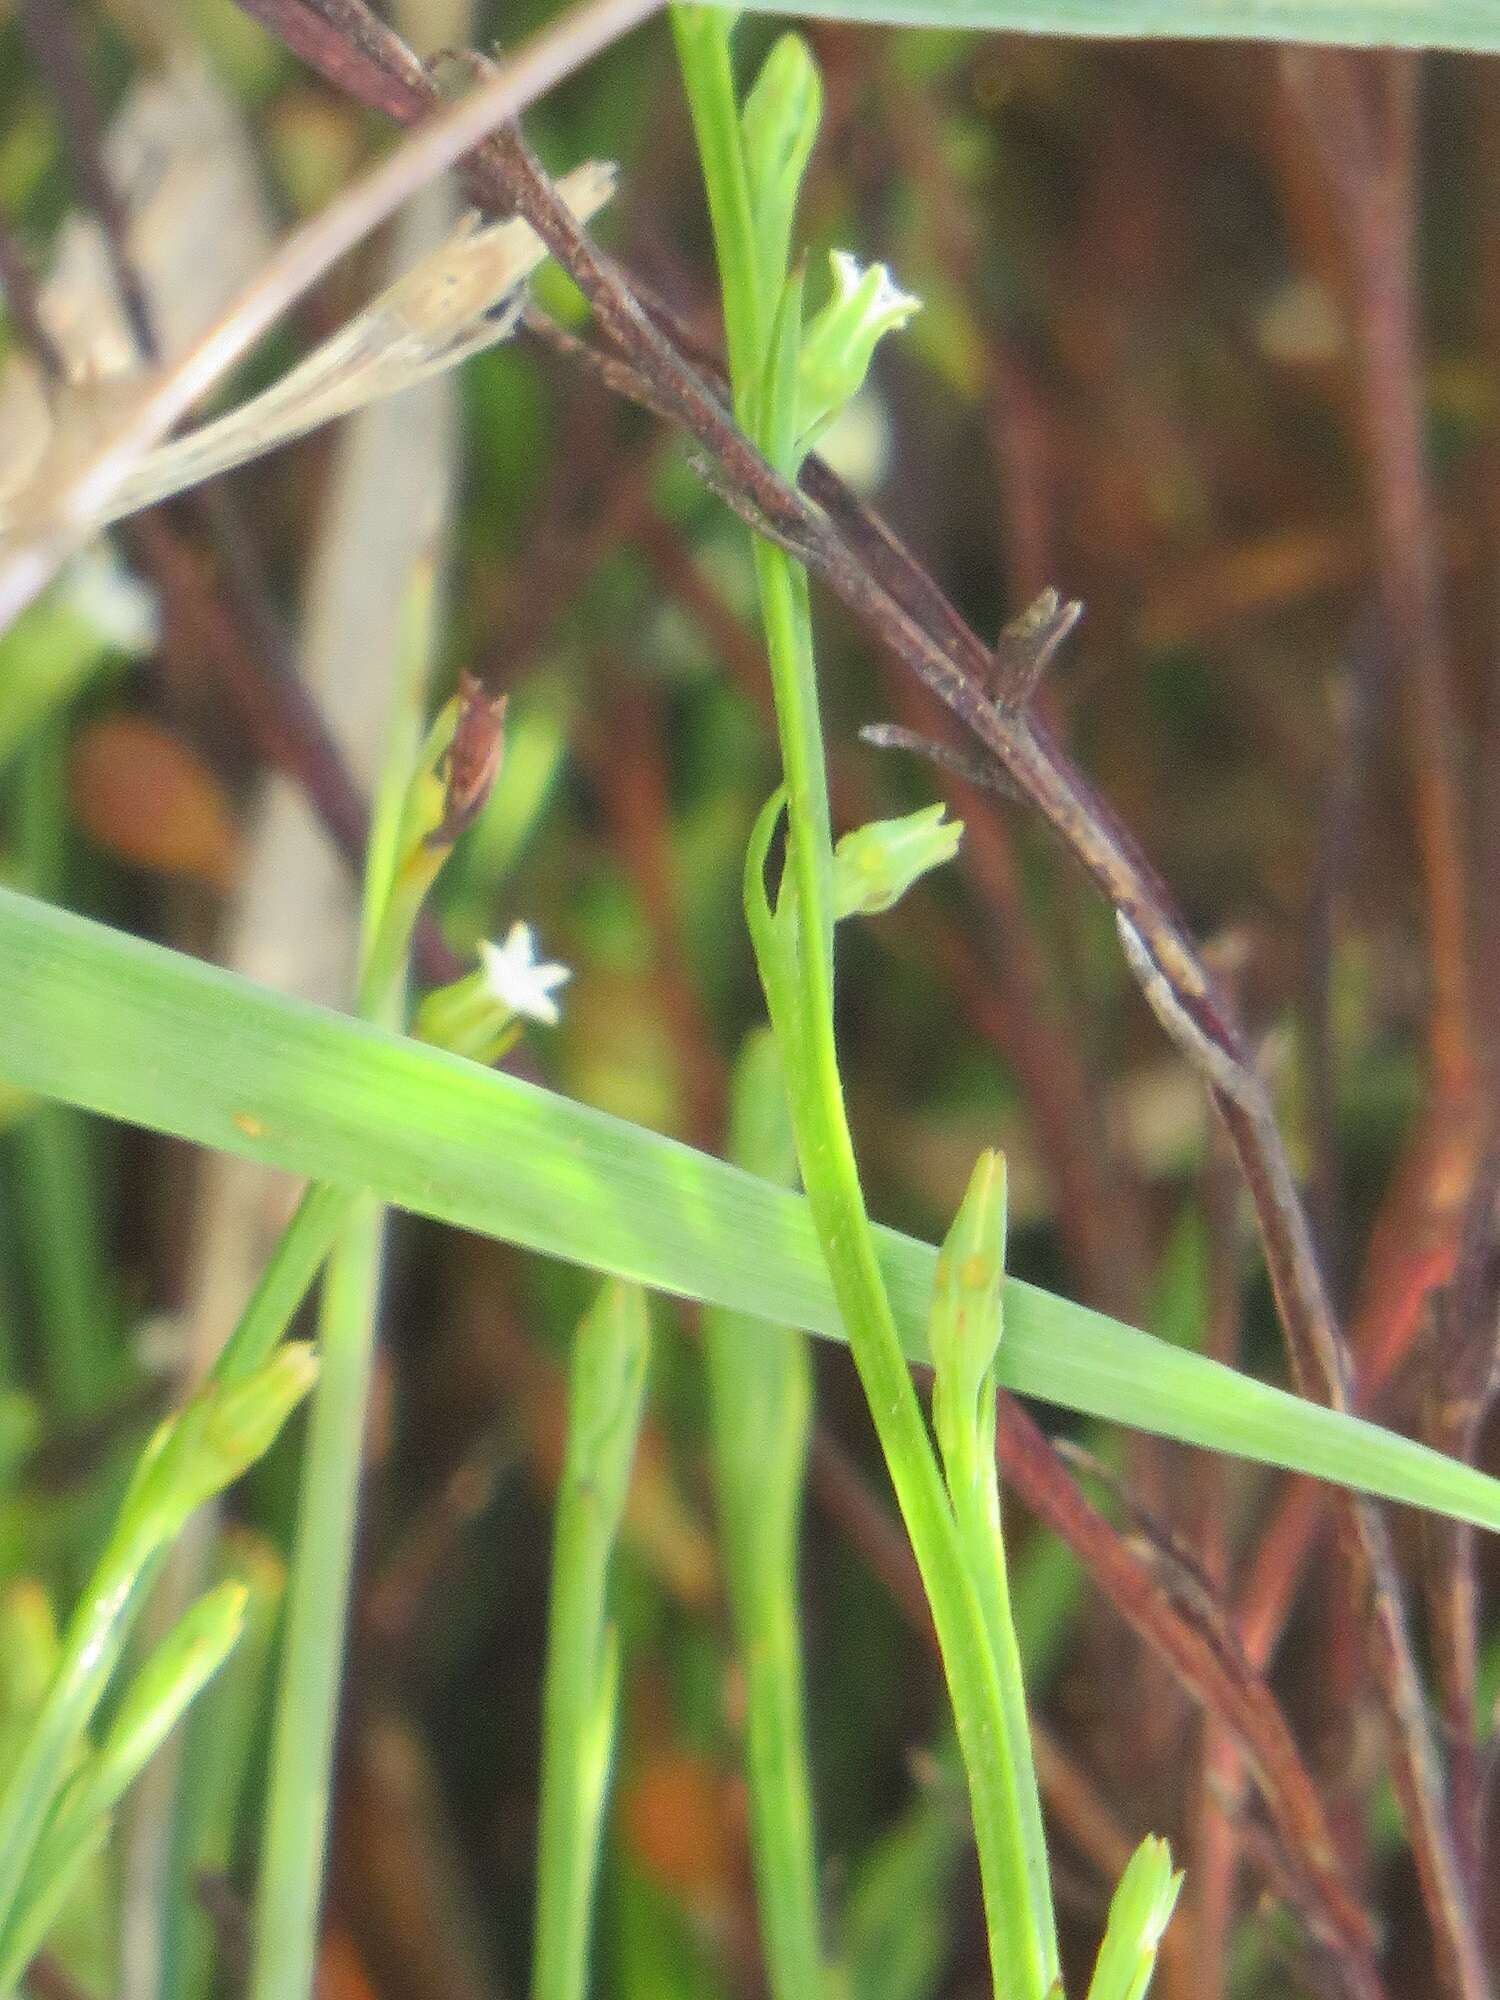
140	791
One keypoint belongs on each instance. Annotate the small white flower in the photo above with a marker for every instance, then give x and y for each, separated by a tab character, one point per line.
885	300
839	342
518	980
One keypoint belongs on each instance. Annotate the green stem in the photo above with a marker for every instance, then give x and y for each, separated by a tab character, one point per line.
1020	1956
56	1185
91	1648
610	1354
291	1868
300	1253
975	1494
289	1890
760	1401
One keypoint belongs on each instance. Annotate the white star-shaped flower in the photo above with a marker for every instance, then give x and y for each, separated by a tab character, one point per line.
518	979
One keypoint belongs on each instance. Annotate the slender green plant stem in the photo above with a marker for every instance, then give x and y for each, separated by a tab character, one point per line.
56	1191
150	1709
192	1456
607	1383
91	1647
978	1515
295	1830
760	1402
289	1891
300	1253
1020	1956
965	1329
220	1752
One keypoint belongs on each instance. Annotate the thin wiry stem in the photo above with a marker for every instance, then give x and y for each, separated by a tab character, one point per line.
1460	1393
1359	115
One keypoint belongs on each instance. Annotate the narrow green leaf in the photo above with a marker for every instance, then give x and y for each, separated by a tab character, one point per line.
1139	1912
1410	24
181	1665
611	1351
122	1027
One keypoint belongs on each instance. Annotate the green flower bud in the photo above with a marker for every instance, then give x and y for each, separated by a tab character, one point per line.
964	1323
246	1417
1139	1913
219	1435
779	125
840	341
153	1704
875	865
184	1662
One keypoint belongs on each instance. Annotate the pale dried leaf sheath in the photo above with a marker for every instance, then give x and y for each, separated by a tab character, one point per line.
453	304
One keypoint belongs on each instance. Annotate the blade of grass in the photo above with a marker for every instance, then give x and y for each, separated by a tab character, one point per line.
123	1027
57	1197
1412	24
610	1354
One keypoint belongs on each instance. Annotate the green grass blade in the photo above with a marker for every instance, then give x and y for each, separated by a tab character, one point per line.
1412	24
119	1026
611	1355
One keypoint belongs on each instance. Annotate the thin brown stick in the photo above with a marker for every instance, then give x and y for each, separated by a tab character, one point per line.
1215	1673
1097	1217
1215	1865
1460	1392
1359	115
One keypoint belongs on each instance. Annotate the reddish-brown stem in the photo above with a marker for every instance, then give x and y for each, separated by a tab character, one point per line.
1359	114
1460	1392
19	286
1214	1673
